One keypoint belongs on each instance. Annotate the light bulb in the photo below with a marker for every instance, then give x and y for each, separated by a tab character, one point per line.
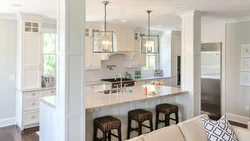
105	45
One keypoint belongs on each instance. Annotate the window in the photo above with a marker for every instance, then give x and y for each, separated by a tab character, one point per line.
49	54
151	59
151	62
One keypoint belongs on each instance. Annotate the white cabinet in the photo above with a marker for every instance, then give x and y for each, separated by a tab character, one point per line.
139	58
31	78
32	27
212	32
93	60
28	106
176	43
124	35
31	51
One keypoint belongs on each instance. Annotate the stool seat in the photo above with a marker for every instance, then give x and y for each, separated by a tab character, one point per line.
107	123
166	108
140	115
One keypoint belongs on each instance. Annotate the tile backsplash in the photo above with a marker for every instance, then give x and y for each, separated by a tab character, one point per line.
119	61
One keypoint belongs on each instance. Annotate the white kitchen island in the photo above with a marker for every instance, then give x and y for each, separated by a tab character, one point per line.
118	105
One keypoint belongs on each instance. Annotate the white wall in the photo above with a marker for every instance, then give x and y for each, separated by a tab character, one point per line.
165	53
8	46
237	96
119	61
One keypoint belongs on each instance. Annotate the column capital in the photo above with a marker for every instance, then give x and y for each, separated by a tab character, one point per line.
195	13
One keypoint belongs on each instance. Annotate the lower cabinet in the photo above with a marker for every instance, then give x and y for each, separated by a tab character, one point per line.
28	107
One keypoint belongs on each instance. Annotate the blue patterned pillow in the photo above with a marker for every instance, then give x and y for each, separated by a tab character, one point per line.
220	130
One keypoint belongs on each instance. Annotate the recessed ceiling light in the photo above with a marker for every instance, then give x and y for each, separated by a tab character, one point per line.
159	25
16	5
124	21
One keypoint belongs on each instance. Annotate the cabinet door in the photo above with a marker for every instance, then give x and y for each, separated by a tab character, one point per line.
137	45
31	51
93	60
31	78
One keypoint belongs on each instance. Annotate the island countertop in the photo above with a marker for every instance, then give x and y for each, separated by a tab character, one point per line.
96	99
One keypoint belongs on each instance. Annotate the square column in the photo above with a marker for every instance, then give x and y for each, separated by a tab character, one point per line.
190	63
70	107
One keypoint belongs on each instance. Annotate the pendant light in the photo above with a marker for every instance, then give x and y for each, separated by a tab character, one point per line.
104	41
149	43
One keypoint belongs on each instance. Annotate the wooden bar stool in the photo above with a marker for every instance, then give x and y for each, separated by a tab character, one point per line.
139	116
167	110
106	124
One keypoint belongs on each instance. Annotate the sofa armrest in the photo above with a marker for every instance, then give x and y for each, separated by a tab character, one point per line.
241	133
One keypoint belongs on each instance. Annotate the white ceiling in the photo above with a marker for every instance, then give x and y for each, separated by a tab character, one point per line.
133	11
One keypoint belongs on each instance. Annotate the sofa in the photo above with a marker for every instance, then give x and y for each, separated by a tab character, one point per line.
190	130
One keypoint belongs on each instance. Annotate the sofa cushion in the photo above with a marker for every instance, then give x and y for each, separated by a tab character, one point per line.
220	130
171	133
193	129
241	133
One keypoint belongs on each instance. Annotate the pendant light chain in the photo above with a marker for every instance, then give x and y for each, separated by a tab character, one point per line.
149	25
105	17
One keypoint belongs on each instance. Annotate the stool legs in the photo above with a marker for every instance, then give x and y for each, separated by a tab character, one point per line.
156	120
119	134
176	118
140	128
151	125
128	130
109	136
95	134
104	136
167	120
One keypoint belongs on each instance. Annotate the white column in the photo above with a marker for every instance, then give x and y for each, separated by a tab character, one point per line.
190	63
71	70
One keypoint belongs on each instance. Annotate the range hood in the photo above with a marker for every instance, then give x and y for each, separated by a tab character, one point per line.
129	55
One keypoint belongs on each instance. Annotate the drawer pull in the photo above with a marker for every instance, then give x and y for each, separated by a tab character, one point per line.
33	94
33	103
52	92
33	117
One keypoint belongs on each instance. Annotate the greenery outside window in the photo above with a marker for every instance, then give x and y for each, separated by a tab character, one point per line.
49	54
151	59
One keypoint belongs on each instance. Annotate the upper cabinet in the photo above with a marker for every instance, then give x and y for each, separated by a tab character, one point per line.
139	58
92	60
125	36
31	27
176	43
213	32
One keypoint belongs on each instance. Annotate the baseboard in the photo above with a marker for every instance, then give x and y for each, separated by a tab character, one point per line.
7	122
237	118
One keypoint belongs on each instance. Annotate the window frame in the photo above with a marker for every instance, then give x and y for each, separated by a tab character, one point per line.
47	31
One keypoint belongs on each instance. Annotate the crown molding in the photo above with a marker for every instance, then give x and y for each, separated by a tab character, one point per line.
8	16
236	20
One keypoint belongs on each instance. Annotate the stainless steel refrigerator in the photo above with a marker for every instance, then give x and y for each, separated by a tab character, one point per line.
211	79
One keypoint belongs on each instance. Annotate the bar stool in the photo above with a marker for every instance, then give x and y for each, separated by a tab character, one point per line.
167	110
139	115
106	124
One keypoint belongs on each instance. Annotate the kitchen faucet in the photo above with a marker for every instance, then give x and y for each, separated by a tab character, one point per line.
118	74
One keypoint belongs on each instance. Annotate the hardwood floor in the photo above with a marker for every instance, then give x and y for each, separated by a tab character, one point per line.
13	133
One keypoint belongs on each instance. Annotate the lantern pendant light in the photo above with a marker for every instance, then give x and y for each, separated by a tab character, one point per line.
104	41
149	43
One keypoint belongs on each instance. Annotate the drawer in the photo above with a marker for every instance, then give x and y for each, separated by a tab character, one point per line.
49	92
33	95
31	105
30	117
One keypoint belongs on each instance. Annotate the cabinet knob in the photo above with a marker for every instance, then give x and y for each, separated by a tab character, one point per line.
52	92
33	103
33	94
33	117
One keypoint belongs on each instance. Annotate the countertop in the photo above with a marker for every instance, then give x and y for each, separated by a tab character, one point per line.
91	83
37	89
151	78
97	100
50	101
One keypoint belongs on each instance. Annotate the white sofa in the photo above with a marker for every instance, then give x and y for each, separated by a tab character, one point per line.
190	130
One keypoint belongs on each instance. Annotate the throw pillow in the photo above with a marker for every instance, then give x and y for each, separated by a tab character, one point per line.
220	130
